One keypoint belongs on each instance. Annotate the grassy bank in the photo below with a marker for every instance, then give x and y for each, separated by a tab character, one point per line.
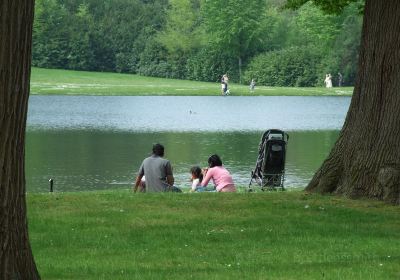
283	235
52	81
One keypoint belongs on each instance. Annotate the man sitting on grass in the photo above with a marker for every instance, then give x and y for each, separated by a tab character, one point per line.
158	172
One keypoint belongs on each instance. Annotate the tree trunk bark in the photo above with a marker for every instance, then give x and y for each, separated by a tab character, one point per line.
16	19
365	161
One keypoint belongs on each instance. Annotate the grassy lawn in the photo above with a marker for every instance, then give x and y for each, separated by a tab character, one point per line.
281	235
66	82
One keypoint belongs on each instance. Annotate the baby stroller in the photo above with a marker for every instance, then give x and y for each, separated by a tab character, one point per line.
269	172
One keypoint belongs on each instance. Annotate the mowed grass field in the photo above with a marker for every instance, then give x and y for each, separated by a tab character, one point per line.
261	235
67	82
272	235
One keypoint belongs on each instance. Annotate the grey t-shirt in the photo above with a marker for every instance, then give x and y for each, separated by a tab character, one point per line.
155	169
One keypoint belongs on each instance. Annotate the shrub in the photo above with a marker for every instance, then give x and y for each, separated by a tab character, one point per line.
288	67
209	65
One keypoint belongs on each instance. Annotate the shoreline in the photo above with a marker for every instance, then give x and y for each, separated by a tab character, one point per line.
70	82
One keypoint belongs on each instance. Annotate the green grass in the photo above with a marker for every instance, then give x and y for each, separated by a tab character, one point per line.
281	235
66	82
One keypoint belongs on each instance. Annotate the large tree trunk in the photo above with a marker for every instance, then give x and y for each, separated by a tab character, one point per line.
365	161
16	19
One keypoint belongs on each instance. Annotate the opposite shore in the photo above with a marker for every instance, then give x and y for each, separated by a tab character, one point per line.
68	82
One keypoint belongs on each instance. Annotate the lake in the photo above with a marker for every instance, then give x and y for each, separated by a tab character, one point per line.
99	142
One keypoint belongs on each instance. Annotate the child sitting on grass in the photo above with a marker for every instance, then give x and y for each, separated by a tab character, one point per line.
197	177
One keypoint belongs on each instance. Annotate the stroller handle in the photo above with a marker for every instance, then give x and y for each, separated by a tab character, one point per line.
285	136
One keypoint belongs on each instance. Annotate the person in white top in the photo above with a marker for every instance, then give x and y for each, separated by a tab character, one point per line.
197	177
224	84
328	80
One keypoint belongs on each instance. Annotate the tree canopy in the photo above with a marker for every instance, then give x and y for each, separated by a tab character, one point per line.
328	6
196	39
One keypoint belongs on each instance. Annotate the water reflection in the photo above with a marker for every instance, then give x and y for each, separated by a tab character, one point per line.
93	159
98	142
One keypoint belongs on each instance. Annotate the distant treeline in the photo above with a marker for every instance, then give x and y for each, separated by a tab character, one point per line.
198	39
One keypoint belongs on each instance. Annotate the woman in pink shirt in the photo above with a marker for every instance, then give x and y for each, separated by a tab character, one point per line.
221	177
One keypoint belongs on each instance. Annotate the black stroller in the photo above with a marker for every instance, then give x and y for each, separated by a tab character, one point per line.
269	172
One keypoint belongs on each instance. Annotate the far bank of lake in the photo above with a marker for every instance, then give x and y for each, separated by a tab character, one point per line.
68	82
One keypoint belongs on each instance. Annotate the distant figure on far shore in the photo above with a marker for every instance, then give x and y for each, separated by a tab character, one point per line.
340	79
328	81
224	84
252	85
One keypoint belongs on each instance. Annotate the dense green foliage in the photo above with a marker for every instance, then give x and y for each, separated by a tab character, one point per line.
328	6
287	67
199	39
281	235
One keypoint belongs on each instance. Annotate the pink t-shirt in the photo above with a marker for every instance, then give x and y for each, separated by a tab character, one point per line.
220	176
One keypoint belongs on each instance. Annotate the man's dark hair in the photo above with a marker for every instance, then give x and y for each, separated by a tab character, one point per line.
158	150
214	160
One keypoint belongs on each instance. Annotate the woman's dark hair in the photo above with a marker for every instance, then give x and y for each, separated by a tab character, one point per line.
158	150
196	170
214	160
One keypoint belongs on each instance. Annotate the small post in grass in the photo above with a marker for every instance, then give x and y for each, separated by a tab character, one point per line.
51	184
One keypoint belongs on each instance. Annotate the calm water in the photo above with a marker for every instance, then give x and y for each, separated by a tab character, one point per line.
172	113
88	143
